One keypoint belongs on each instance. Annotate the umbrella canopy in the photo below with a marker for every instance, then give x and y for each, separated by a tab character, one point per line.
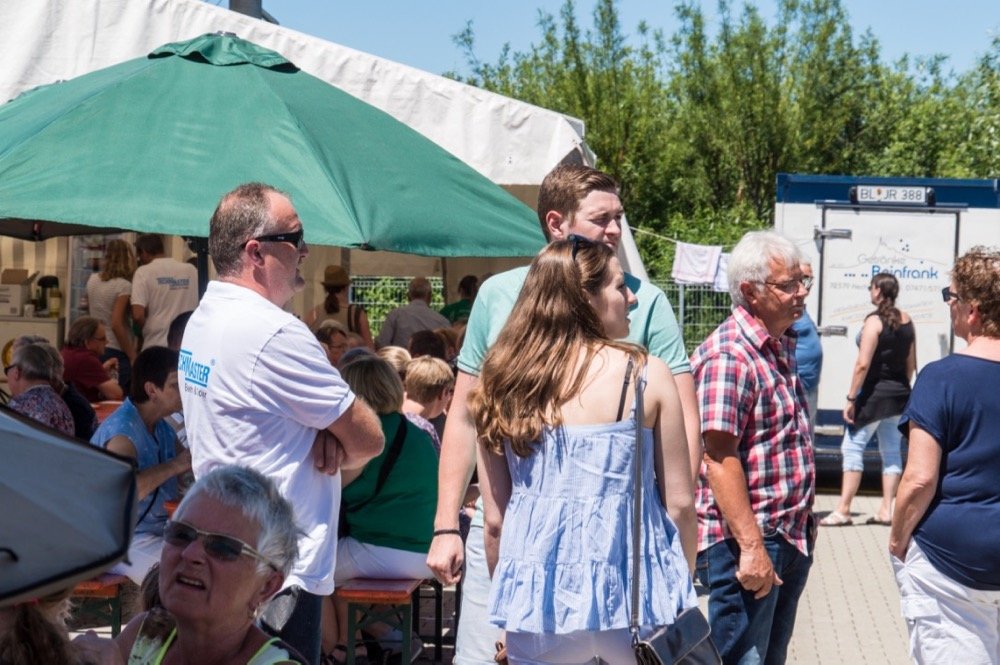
67	511
151	144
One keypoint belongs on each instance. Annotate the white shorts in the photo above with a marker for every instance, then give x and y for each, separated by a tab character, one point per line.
143	554
356	559
948	622
475	636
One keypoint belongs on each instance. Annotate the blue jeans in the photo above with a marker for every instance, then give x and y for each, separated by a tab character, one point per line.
749	631
890	438
812	398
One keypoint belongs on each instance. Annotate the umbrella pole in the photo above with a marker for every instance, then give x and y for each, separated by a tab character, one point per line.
444	280
249	7
200	248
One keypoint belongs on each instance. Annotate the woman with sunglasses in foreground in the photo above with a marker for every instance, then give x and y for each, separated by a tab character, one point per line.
553	410
943	543
226	551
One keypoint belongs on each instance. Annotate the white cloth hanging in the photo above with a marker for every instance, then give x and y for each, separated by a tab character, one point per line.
721	282
695	264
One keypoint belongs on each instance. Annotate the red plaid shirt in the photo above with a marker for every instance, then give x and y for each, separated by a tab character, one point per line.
748	387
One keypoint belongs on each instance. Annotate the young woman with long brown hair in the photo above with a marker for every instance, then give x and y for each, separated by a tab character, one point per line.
554	413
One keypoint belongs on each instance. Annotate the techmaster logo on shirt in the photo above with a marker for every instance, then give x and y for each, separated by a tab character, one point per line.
195	373
173	283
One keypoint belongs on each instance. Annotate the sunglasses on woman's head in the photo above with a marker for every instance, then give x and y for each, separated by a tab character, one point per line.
217	546
578	242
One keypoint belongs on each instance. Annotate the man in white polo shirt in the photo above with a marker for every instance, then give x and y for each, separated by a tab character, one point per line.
162	288
259	391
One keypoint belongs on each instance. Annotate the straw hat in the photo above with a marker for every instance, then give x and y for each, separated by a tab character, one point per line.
335	276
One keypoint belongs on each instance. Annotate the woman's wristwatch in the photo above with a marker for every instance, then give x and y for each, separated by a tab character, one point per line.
851	399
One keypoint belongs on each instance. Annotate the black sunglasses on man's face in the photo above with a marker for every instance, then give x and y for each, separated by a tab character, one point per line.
296	238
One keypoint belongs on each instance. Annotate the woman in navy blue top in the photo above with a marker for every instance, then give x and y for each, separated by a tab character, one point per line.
945	536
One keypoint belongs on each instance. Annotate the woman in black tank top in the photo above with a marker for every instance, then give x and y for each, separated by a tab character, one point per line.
880	387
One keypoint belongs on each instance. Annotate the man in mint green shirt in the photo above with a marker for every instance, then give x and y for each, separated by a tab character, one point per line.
572	200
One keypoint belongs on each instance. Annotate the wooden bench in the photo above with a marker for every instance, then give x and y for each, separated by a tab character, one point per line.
106	591
437	595
365	599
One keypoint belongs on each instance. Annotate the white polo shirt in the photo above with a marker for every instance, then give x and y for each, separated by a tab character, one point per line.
256	386
165	287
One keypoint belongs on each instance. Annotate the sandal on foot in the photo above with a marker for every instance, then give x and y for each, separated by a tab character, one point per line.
876	520
341	656
336	657
836	519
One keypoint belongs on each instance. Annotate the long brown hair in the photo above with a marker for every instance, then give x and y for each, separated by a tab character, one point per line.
119	261
888	288
533	368
331	303
38	634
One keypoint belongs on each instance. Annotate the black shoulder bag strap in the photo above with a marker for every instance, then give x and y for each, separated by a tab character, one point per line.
637	512
621	402
390	461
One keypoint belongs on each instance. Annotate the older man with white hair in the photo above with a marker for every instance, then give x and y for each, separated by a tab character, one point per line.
756	490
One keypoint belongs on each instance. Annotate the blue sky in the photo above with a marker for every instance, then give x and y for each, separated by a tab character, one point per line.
419	33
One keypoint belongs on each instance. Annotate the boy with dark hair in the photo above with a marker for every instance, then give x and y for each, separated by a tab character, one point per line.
138	430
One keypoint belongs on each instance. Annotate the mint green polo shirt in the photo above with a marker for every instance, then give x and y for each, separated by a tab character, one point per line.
652	323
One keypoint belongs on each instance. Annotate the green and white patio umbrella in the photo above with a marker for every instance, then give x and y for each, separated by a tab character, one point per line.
152	143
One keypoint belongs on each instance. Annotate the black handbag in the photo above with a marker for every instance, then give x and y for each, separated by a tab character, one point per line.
688	640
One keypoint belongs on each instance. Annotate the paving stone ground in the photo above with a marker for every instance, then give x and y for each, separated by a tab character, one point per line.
849	612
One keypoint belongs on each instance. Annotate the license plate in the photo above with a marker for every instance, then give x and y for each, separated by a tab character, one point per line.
882	194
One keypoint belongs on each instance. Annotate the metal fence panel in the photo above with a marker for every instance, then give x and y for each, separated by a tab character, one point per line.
699	309
379	295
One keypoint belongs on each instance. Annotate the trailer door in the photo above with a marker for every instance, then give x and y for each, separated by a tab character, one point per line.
919	248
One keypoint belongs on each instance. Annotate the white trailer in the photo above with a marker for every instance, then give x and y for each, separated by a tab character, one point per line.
855	227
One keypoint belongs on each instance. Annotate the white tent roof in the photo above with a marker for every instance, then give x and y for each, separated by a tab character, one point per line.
508	141
512	143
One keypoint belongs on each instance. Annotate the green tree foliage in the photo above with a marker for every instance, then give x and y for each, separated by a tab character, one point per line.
595	75
971	112
924	122
697	126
